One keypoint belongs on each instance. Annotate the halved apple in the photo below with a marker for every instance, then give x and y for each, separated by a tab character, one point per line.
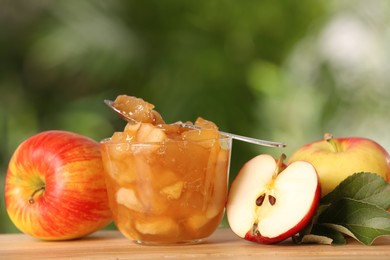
268	202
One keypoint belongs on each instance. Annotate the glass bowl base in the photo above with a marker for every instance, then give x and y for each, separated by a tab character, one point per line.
173	243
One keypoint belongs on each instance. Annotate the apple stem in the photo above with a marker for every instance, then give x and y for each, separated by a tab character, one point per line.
329	138
31	198
255	231
279	166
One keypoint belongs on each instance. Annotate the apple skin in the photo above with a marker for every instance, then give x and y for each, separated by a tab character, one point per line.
65	171
257	172
337	158
292	231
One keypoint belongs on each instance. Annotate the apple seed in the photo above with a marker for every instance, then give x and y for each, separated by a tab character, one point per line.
272	200
260	200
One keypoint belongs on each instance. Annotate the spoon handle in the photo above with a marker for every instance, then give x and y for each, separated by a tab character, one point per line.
242	138
254	140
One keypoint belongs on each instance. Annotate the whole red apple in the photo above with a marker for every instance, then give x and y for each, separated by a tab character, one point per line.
55	188
337	158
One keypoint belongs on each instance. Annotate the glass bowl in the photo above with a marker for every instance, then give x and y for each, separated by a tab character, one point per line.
165	193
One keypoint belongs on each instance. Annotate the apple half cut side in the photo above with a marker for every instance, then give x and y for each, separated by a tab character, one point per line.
268	202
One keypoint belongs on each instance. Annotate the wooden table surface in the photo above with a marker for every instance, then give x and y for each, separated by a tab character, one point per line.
223	244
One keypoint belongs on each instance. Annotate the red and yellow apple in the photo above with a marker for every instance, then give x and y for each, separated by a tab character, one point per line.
337	158
55	188
268	202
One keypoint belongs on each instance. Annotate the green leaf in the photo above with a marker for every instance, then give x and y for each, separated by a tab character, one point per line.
313	233
308	228
359	219
362	186
324	235
357	208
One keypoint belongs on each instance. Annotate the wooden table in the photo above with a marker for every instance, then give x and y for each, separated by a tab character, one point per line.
223	244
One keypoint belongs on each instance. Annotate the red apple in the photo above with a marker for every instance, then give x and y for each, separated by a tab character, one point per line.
268	203
55	188
337	158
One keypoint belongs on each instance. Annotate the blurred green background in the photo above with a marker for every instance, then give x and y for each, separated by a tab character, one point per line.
287	70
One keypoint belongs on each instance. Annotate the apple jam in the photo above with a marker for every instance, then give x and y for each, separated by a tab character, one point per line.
167	184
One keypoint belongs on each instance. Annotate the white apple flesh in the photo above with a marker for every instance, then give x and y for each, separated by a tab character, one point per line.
269	203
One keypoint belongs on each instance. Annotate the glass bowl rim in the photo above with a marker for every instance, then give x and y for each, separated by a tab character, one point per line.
222	137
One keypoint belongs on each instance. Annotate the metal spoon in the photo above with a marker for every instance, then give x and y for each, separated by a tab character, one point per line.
110	104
